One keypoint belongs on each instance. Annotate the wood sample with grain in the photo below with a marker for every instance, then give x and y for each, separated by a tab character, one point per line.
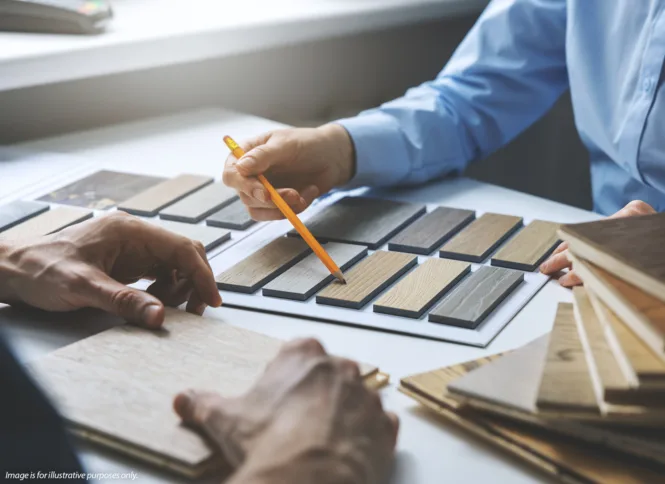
197	206
476	297
149	202
263	266
47	223
420	289
481	237
19	211
309	275
431	231
529	248
365	221
210	237
234	216
367	279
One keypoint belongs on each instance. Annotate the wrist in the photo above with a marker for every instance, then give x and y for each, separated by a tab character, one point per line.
342	149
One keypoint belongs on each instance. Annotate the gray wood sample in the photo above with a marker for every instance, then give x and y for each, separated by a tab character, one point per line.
431	231
359	220
476	297
210	237
529	247
234	216
154	199
263	266
420	289
309	275
47	223
19	211
197	206
481	237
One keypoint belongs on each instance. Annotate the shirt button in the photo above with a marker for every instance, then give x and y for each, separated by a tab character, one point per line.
647	84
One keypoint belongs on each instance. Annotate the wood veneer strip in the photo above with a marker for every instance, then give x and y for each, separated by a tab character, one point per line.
529	248
234	216
19	211
47	223
210	237
197	206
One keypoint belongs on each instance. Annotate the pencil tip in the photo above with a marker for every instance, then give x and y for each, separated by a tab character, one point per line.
339	276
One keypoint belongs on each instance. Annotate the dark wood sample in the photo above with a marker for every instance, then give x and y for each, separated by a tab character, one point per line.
529	248
360	220
367	279
431	231
480	238
476	297
19	211
412	296
210	237
263	266
197	206
47	223
234	216
102	190
149	202
309	275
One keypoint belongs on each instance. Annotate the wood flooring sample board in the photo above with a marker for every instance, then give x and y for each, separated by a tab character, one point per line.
234	216
210	237
309	275
47	223
367	279
197	206
431	231
529	248
19	211
365	221
476	297
264	265
154	199
480	238
420	289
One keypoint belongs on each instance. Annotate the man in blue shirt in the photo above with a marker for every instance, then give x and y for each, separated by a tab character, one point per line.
512	66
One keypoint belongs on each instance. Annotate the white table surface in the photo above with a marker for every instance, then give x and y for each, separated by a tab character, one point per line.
429	451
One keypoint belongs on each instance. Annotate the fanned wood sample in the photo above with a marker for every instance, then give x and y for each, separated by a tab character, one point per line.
197	206
365	221
154	199
263	266
476	297
367	279
431	231
234	216
420	289
210	237
529	248
19	211
309	275
47	223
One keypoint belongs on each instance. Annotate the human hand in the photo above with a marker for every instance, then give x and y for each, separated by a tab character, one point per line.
89	265
308	415
559	259
301	163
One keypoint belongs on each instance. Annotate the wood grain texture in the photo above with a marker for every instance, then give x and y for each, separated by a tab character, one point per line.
365	221
367	279
476	297
197	206
234	216
431	231
19	211
210	237
529	248
47	223
420	289
309	275
263	266
566	382
480	238
154	199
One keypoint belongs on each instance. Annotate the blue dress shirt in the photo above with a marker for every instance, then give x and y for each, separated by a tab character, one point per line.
512	66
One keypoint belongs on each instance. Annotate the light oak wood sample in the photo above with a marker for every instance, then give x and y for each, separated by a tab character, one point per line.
19	211
367	279
154	199
365	221
420	289
197	206
210	237
481	237
529	248
431	231
263	266
47	223
566	382
476	297
309	275
234	216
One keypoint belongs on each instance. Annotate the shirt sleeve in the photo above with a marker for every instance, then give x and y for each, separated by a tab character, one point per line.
506	73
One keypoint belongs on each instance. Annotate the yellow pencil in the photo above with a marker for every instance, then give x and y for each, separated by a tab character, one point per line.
291	216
